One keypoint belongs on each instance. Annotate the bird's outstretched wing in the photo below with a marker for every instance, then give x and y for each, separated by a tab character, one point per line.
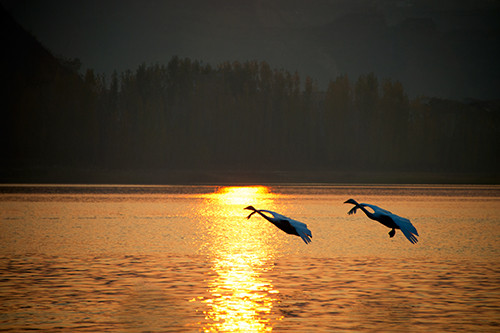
406	227
302	230
374	208
275	215
404	224
296	224
300	227
377	209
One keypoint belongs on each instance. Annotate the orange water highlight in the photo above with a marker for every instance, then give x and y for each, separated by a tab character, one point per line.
240	300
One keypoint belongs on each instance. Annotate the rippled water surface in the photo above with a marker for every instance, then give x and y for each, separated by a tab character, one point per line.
186	259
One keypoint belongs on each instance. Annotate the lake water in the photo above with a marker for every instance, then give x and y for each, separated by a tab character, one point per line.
186	259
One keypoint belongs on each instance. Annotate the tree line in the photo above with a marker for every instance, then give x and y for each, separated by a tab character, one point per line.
242	116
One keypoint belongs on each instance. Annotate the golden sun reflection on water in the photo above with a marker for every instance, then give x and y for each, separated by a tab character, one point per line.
240	299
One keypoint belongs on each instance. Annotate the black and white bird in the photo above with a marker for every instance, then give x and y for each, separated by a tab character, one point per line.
388	219
284	223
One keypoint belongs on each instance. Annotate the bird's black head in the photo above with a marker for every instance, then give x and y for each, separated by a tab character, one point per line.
351	201
251	208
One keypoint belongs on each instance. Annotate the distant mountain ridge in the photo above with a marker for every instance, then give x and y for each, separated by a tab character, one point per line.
444	49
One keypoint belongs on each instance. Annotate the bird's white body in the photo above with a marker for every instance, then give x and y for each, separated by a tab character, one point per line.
300	227
388	219
288	225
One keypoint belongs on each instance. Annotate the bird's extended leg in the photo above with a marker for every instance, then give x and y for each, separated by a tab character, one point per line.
392	233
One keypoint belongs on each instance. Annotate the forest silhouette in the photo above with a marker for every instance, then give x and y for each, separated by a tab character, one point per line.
186	121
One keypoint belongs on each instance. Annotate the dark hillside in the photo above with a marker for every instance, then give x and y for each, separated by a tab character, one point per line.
41	96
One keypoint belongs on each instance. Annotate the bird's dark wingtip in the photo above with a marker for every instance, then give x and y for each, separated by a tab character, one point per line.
414	240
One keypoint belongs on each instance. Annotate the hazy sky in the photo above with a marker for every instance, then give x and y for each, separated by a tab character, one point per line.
437	48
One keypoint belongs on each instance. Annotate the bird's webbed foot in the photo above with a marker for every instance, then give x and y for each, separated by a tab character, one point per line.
392	233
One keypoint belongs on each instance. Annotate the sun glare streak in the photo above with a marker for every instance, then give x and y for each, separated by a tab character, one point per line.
240	299
240	195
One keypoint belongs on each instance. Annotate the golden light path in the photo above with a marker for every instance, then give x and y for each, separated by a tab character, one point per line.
240	300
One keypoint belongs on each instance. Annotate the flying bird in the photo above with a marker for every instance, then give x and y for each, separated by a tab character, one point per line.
388	219
284	223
